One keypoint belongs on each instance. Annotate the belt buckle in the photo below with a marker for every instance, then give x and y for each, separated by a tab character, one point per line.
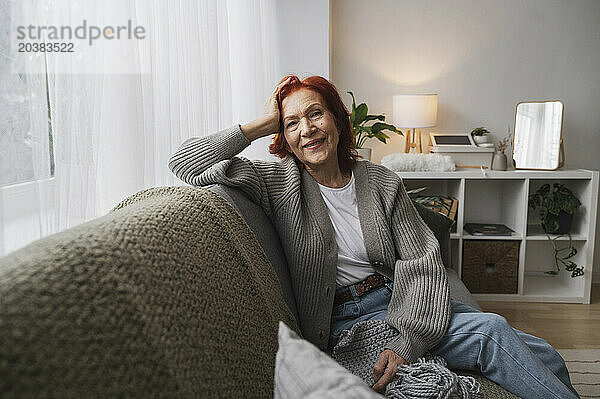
366	285
359	288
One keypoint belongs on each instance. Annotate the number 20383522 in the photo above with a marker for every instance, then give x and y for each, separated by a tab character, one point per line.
46	47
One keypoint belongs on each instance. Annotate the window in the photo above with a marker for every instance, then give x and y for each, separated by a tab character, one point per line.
16	112
16	154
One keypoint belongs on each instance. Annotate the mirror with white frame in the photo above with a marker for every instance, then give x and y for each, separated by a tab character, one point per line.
537	143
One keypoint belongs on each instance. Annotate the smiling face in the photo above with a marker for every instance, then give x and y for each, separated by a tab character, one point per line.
309	129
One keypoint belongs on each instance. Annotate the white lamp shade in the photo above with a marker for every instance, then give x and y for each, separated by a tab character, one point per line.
415	110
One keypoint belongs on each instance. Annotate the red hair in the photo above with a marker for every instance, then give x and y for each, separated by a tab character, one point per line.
347	156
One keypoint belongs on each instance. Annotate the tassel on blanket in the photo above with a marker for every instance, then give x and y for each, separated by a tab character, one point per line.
358	350
430	378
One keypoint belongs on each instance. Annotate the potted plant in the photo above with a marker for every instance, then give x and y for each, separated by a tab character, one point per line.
361	131
557	206
479	135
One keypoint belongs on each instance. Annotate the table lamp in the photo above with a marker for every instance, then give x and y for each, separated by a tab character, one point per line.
413	111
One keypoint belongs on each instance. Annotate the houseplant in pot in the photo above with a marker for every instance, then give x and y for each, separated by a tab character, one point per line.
557	206
362	129
479	135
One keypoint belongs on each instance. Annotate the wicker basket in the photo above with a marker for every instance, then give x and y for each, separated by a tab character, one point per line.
491	266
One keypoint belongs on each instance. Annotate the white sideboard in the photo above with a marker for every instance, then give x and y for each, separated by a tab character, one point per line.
502	197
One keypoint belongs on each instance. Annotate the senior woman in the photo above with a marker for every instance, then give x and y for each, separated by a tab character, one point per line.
357	248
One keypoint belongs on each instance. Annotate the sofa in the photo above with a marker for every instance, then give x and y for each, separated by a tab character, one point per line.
177	292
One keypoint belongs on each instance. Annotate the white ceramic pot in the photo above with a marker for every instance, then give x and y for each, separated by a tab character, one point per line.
499	162
481	139
365	153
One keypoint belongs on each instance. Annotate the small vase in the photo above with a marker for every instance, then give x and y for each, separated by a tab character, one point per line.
480	139
499	161
365	153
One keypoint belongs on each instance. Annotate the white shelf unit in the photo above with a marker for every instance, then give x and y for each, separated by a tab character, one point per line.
502	197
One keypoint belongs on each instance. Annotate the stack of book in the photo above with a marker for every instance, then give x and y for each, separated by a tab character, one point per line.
488	229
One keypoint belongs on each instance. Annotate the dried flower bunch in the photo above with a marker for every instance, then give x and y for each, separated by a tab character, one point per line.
502	144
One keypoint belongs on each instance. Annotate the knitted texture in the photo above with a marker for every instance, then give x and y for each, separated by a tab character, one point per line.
412	162
358	349
399	244
168	295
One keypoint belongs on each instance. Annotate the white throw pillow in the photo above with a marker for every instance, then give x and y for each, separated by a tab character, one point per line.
304	371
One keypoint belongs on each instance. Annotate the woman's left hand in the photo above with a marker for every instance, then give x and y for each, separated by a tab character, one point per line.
385	369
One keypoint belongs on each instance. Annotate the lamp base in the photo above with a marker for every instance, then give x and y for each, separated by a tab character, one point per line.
413	141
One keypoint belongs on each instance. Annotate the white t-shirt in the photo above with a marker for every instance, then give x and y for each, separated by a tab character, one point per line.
353	262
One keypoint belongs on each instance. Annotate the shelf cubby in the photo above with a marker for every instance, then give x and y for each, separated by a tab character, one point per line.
496	201
540	257
582	190
540	286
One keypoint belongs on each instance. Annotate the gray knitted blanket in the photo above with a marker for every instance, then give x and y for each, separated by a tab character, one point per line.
358	350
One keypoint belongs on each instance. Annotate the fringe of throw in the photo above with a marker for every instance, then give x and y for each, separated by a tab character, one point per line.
358	349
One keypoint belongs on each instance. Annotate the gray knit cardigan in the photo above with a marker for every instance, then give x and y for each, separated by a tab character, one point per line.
399	244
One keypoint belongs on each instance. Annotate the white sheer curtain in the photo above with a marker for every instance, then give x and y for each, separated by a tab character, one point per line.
115	132
26	197
203	66
254	64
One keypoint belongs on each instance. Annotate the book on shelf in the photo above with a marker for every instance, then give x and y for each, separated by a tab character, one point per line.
488	229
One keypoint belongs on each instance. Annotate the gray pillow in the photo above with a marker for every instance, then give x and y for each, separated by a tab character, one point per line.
303	371
440	226
265	232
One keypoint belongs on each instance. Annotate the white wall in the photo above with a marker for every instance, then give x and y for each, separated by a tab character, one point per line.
481	57
303	28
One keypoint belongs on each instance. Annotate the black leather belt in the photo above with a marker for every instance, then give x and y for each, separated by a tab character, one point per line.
370	283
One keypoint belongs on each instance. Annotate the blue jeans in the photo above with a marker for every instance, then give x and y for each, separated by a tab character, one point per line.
521	363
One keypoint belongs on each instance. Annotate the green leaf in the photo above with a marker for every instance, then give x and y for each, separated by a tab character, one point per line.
554	208
379	126
570	266
361	114
353	101
374	118
577	272
381	136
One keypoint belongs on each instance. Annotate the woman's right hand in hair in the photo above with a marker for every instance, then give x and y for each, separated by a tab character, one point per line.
268	123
